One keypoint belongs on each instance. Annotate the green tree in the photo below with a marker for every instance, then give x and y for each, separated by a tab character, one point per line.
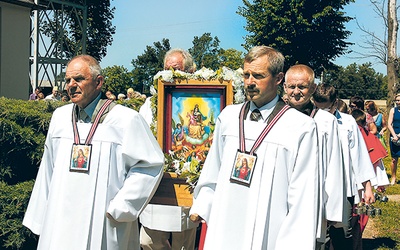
99	29
358	80
206	51
232	58
308	31
117	79
145	66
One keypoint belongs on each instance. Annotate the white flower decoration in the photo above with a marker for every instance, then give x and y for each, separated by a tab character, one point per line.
204	74
153	91
165	75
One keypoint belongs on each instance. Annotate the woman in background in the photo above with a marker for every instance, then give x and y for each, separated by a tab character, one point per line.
379	118
394	142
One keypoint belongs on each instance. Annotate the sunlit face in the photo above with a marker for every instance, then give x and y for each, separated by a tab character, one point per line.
81	86
260	86
174	61
298	88
397	101
352	106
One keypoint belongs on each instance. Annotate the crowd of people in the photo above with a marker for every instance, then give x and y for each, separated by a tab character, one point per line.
55	95
310	159
63	96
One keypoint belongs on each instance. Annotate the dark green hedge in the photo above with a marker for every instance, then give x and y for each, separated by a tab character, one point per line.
23	129
13	202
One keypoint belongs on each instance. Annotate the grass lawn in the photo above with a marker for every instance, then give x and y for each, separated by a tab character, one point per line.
387	225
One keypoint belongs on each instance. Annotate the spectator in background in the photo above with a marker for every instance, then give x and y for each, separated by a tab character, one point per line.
342	106
112	97
54	96
394	142
375	149
379	119
357	102
109	94
121	97
64	96
129	93
35	94
40	96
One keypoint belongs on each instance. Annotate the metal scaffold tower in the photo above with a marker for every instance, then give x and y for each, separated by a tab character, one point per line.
52	41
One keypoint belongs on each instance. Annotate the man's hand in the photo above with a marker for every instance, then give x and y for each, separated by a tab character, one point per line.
369	197
195	218
109	216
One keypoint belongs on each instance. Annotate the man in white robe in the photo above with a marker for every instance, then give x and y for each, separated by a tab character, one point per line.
98	208
358	170
162	222
276	208
299	86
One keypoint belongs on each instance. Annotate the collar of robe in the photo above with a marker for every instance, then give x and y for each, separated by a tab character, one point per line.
279	109
94	124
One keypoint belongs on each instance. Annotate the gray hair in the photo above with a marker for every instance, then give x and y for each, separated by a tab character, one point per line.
275	58
93	64
188	63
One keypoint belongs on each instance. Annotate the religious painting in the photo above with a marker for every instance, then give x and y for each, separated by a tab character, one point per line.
243	168
187	115
80	158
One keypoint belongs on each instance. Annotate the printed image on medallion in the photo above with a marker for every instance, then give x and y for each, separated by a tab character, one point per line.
243	167
80	158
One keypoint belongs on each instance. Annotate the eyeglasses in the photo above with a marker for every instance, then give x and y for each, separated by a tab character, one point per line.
255	75
352	106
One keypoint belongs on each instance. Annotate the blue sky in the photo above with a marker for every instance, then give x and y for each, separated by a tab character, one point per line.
141	23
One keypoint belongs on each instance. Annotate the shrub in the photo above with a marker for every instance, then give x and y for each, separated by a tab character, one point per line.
23	128
13	202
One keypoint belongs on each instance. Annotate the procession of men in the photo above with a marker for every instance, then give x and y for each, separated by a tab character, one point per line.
306	167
